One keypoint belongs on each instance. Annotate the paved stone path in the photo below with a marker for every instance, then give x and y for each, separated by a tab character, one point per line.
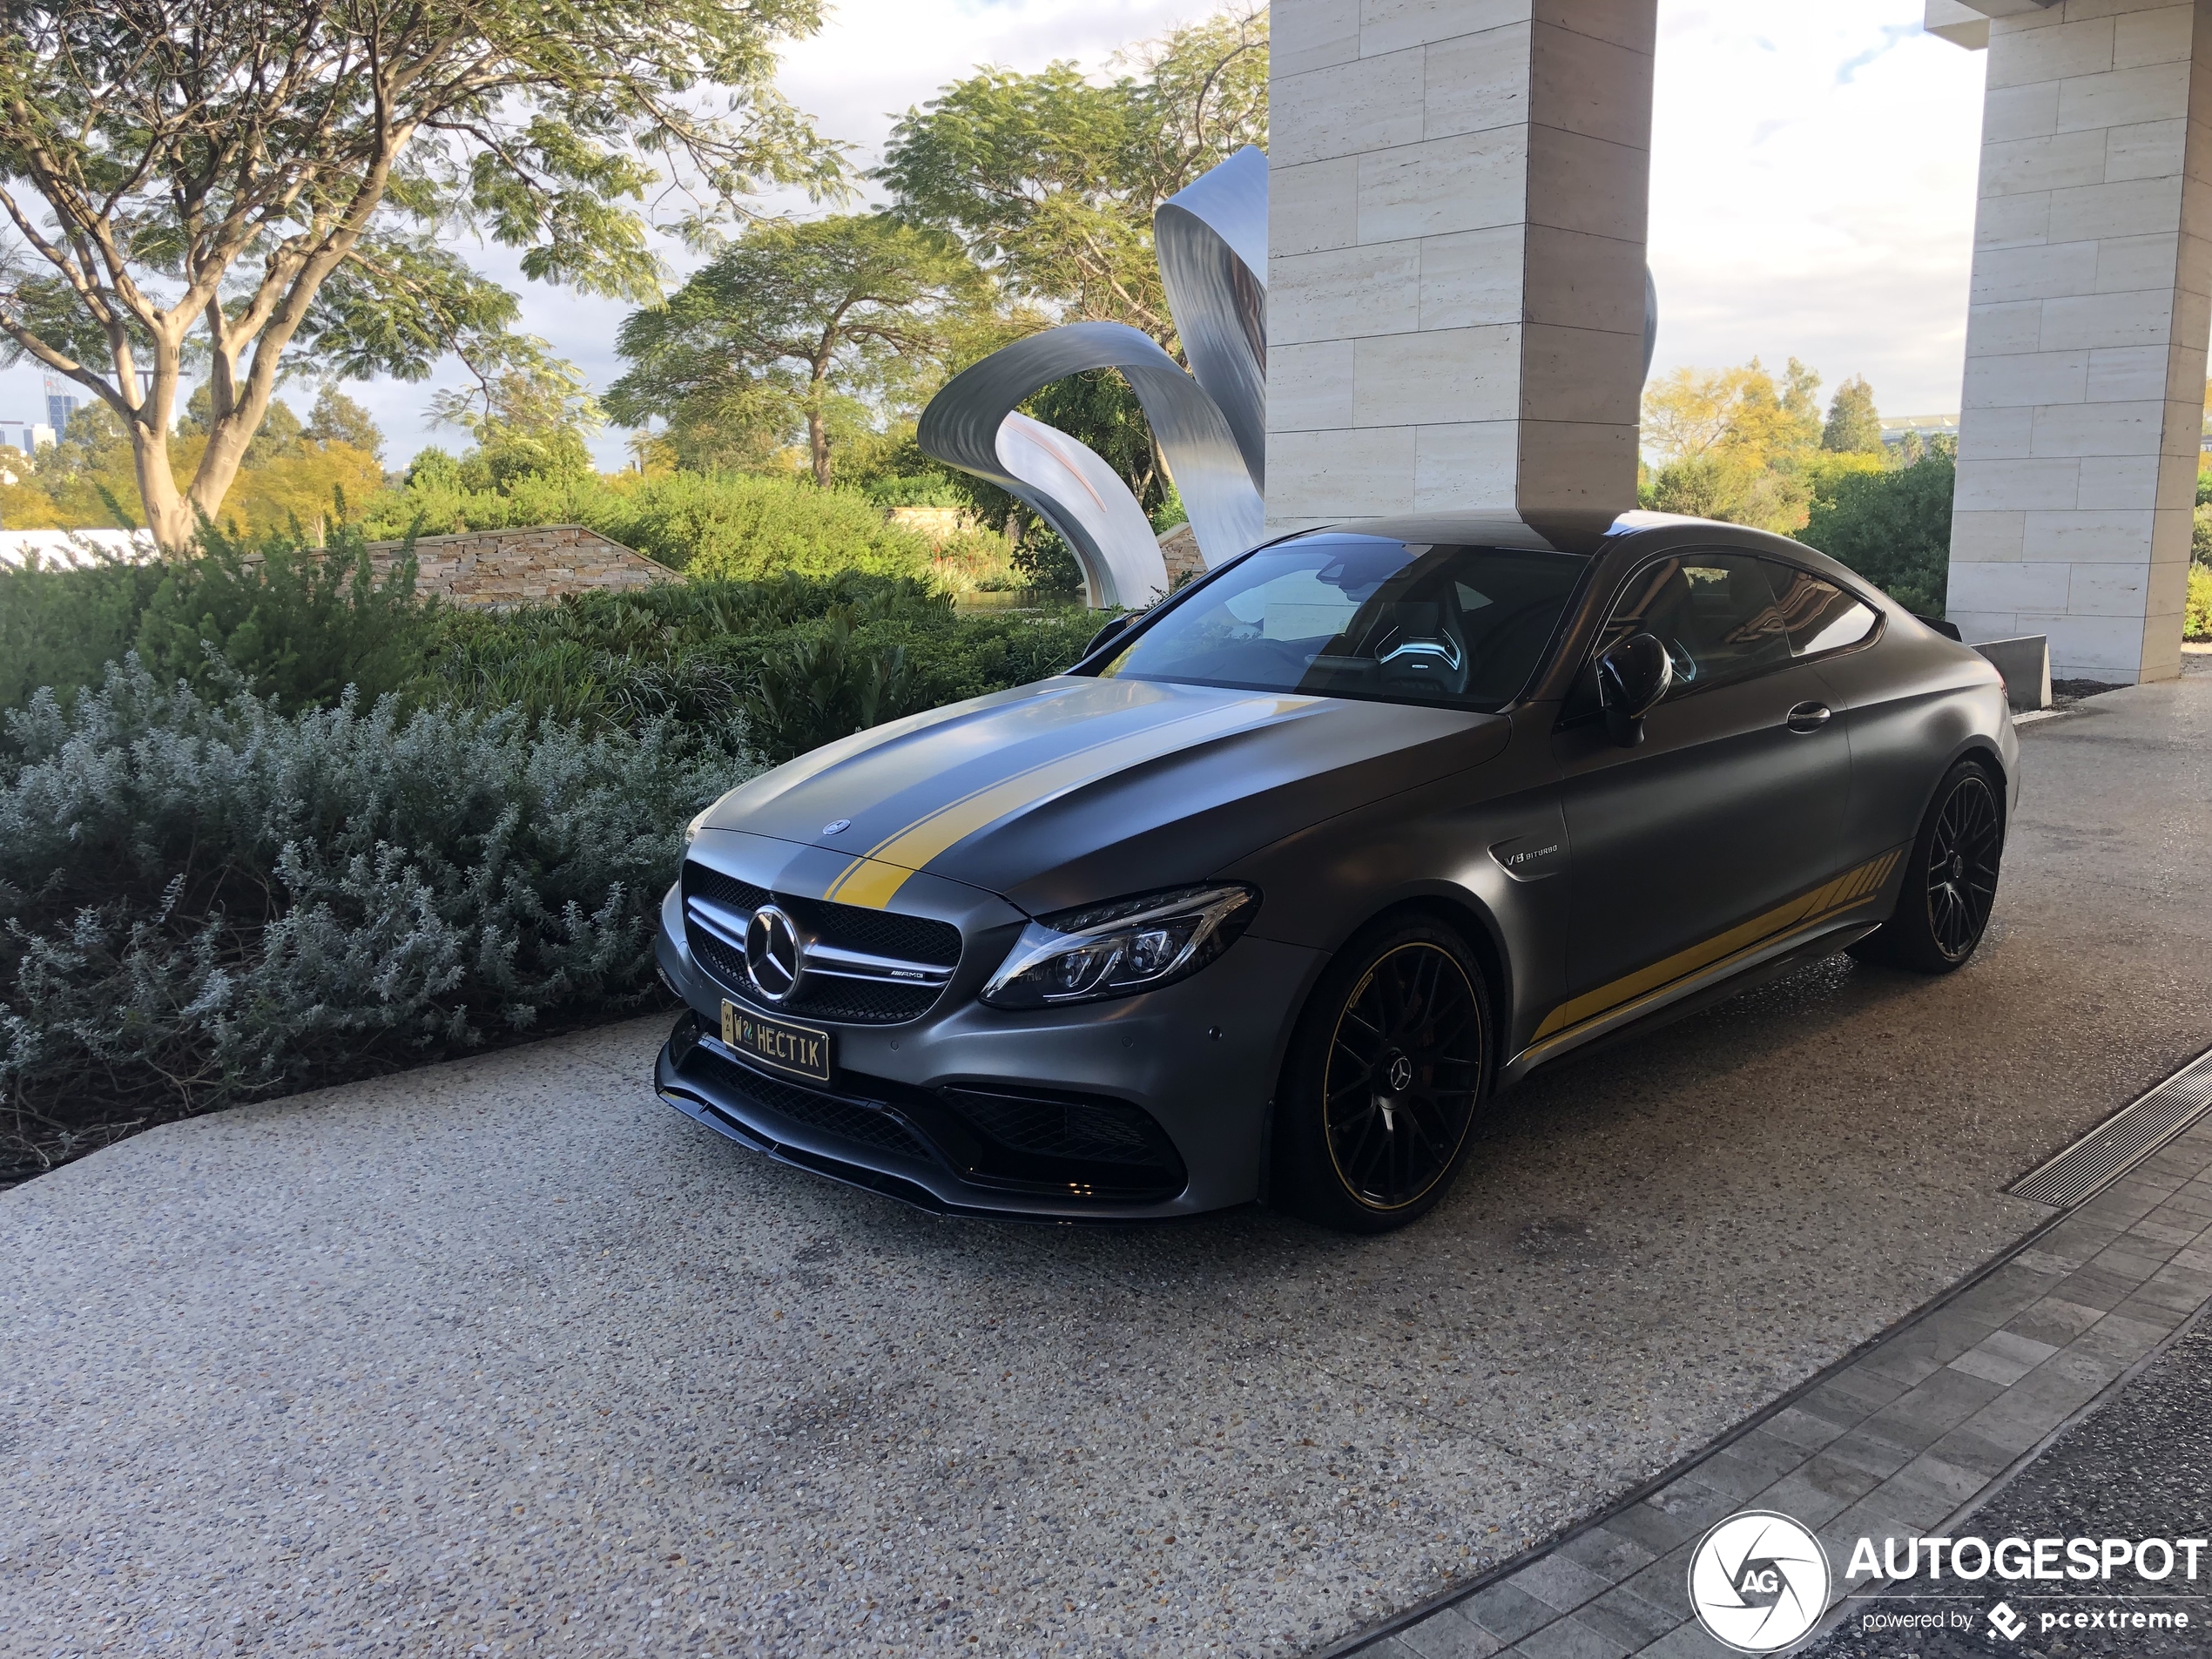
1905	1441
506	1357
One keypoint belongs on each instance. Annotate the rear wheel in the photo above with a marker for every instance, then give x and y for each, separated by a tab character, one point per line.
1950	882
1388	1064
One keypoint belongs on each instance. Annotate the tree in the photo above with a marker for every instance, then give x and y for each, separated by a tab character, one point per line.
1733	444
1893	527
1854	427
529	420
240	179
1051	179
789	319
337	419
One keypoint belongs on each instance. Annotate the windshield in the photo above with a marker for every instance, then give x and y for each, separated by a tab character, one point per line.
1365	617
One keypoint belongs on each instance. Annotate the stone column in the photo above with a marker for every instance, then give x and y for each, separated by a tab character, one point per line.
2081	415
1457	203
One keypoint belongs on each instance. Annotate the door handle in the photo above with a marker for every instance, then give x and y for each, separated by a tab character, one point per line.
1810	717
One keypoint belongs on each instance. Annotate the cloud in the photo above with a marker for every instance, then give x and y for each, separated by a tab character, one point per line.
1813	172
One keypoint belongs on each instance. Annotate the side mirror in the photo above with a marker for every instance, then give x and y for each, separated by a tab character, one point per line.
1633	676
1108	631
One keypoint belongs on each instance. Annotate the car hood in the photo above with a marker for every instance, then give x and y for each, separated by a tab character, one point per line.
1076	789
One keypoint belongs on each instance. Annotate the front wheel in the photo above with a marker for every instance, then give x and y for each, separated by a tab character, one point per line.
1385	1069
1950	882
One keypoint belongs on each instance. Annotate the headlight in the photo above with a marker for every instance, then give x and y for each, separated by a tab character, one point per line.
1121	948
692	830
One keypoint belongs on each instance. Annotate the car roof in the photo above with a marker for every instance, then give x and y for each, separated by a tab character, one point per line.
1565	533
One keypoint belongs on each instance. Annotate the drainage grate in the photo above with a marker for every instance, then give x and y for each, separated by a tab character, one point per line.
2122	1141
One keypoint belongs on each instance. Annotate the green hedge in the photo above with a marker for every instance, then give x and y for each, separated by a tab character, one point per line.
1893	528
734	527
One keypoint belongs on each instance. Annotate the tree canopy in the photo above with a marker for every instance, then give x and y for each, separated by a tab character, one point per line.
1051	179
1854	425
214	183
786	322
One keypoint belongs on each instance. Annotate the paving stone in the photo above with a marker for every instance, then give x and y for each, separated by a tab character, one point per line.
1851	1396
2055	1320
1506	1612
2096	1287
1798	1497
1927	1489
1559	1582
2004	1357
1571	1639
2044	1260
2001	1296
2164	1232
1750	1464
1969	1448
1693	1501
1612	1555
1802	1428
1628	1618
1665	1583
1921	1418
2122	1336
1685	1641
1390	1647
1653	1529
1446	1635
1864	1449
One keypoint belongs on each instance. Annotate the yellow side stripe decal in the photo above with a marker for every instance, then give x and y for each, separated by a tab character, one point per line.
1847	890
871	879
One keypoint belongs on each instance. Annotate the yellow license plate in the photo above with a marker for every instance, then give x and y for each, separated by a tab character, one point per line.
799	1050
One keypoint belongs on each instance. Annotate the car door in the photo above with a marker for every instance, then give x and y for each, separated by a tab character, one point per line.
1727	807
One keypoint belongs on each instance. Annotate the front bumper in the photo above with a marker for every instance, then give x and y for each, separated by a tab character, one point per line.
913	1108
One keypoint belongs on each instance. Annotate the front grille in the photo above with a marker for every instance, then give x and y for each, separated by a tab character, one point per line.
918	940
1093	1131
880	932
849	1121
738	895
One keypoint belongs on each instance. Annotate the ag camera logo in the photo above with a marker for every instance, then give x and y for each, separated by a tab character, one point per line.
1758	1581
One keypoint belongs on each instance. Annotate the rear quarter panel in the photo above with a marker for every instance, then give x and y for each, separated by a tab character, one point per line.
1915	702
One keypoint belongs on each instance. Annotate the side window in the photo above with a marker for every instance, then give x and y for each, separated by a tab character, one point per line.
1819	615
1715	612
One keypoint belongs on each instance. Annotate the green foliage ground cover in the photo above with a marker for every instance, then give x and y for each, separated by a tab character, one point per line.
267	822
734	526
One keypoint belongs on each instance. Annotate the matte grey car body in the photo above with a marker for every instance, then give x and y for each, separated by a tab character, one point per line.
1756	824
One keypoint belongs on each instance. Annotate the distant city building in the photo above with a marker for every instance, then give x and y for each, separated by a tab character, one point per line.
59	407
28	436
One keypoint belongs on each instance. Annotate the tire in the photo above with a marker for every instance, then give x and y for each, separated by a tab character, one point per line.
1405	1000
1950	881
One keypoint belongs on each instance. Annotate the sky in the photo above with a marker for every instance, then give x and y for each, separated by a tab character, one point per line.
1812	185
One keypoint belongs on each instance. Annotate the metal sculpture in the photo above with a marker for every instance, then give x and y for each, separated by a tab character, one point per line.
1212	242
1211	422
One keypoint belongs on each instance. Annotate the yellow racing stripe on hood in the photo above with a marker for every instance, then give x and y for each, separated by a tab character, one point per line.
871	879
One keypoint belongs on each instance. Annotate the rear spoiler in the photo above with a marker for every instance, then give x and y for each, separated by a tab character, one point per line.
1948	629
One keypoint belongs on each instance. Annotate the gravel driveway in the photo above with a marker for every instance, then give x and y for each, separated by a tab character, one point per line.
506	1357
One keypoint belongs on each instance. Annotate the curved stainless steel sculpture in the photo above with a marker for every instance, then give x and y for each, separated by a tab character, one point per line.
963	427
1210	239
1211	424
1212	242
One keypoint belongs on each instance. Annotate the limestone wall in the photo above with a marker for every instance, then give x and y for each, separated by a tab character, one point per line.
521	567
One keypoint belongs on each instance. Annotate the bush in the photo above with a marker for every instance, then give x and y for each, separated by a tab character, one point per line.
806	661
2196	609
209	898
1893	528
299	624
734	527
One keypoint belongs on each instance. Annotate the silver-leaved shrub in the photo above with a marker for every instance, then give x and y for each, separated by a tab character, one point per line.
205	898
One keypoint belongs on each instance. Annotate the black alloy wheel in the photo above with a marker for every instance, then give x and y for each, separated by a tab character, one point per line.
1389	1064
1961	871
1951	883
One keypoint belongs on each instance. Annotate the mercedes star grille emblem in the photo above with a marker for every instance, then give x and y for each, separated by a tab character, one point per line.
774	955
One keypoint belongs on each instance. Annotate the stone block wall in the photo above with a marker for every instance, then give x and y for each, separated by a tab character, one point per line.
522	566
